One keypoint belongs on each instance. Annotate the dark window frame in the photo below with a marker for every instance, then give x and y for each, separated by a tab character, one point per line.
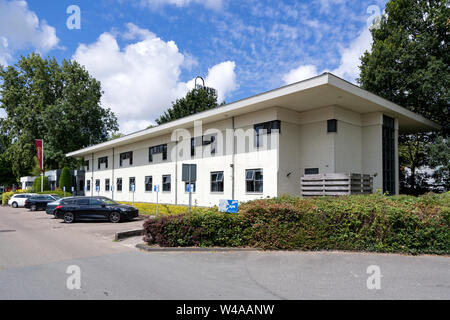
217	183
125	156
88	185
162	148
332	126
266	128
148	183
103	160
119	186
107	184
252	184
165	183
388	142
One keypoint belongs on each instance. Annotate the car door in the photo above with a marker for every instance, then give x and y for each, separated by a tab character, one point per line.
82	208
98	209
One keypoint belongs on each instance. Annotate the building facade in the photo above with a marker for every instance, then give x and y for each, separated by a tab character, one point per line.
258	147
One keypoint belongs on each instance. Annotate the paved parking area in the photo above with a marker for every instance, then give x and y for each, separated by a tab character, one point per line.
29	238
36	250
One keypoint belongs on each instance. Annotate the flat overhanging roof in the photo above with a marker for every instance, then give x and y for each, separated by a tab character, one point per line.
318	92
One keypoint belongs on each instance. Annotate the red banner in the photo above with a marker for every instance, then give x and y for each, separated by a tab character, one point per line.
40	153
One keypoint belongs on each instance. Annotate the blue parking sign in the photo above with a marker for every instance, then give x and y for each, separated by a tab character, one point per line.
229	206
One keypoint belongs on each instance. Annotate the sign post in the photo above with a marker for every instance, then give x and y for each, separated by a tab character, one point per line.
133	188
156	189
189	175
98	190
64	189
40	156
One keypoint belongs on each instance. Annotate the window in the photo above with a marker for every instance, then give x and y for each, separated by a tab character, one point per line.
204	141
82	202
162	149
103	160
192	185
148	183
81	185
332	126
107	184
217	181
125	156
266	128
388	155
119	184
166	183
88	187
86	164
95	202
132	183
97	185
311	171
254	180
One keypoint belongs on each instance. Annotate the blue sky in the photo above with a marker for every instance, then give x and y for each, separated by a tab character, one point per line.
146	52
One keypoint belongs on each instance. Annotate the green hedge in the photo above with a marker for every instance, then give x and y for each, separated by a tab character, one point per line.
7	195
362	223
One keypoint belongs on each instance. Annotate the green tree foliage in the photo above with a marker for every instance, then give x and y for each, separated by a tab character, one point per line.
195	101
6	175
440	159
409	65
59	103
65	180
37	184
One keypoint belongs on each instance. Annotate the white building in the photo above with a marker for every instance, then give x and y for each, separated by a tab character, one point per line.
321	125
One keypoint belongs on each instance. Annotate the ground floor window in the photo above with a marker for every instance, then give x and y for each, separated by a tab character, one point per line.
119	184
186	187
97	185
132	184
217	181
107	181
254	180
81	185
166	182
148	183
88	186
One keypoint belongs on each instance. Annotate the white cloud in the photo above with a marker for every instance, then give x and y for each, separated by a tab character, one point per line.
212	4
142	79
349	61
20	28
350	56
301	73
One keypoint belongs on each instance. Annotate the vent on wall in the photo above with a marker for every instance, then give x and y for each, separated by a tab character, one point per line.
310	171
332	126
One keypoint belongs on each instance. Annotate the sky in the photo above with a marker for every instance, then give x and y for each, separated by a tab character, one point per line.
147	53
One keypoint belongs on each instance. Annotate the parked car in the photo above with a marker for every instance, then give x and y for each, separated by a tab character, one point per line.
51	207
39	202
94	208
18	200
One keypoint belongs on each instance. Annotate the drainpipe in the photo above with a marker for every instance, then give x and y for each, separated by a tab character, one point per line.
92	176
176	170
112	184
232	161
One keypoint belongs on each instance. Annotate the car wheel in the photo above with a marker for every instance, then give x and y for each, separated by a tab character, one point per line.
69	217
114	217
33	207
15	205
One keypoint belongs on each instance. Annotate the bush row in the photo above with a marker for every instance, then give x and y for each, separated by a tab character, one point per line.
7	195
362	223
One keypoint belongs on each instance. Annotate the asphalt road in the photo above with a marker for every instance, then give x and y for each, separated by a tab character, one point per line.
36	251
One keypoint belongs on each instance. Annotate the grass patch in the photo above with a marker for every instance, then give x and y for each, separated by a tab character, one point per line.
163	209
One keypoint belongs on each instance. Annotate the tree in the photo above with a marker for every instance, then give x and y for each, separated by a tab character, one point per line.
409	65
6	175
440	159
59	103
65	180
195	101
37	184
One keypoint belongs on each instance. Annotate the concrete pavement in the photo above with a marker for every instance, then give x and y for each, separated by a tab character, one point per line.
34	259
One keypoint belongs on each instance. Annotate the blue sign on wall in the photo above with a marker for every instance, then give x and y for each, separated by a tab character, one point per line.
229	206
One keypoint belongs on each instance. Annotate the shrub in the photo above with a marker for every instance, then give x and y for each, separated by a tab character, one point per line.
7	195
365	223
37	184
65	180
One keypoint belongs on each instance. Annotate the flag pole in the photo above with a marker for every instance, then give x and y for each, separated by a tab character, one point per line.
42	179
